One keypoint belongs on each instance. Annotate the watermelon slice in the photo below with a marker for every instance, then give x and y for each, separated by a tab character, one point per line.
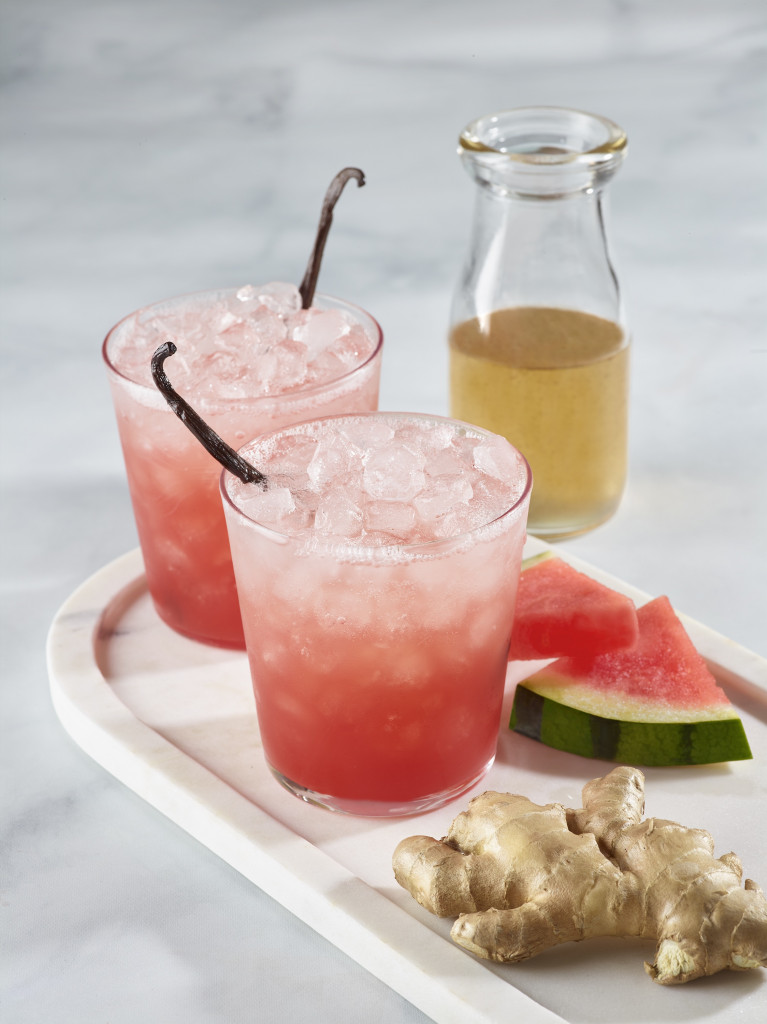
561	612
654	704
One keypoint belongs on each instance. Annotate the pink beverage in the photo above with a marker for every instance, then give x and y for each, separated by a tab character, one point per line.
249	361
377	576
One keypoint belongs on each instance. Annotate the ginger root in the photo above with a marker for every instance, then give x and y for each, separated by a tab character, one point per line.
522	877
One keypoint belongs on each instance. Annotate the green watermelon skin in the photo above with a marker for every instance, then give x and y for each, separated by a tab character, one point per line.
561	612
654	705
649	744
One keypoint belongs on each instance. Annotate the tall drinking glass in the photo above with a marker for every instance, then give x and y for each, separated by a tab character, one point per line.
377	577
250	360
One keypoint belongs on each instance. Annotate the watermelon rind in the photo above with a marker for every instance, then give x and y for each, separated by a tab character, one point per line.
647	743
616	703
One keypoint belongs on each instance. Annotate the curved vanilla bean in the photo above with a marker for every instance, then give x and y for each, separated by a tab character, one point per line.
207	437
336	187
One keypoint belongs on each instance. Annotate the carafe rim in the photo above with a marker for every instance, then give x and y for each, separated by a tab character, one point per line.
543	135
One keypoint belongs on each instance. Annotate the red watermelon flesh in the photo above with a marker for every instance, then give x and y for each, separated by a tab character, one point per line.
561	612
663	668
654	704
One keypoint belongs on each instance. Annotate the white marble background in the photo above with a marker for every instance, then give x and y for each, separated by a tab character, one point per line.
152	148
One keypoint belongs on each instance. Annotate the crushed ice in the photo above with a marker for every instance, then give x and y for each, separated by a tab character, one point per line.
383	482
274	344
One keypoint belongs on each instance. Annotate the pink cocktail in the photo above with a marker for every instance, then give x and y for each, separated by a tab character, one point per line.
377	576
250	360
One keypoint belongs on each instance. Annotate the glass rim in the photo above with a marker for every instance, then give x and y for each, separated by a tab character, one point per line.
237	403
472	143
341	548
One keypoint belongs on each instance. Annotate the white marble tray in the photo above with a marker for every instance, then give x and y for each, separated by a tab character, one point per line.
175	721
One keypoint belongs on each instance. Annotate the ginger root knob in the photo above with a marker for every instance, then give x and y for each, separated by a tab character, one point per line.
521	878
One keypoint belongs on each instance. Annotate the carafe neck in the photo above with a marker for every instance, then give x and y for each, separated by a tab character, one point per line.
538	236
528	252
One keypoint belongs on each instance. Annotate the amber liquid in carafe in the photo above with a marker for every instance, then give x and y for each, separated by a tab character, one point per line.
555	383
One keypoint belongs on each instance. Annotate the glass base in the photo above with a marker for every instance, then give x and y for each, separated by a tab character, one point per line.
209	641
380	808
552	532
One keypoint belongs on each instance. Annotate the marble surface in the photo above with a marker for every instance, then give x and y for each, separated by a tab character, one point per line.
156	148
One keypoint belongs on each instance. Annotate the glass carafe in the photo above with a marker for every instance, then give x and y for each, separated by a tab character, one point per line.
539	348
